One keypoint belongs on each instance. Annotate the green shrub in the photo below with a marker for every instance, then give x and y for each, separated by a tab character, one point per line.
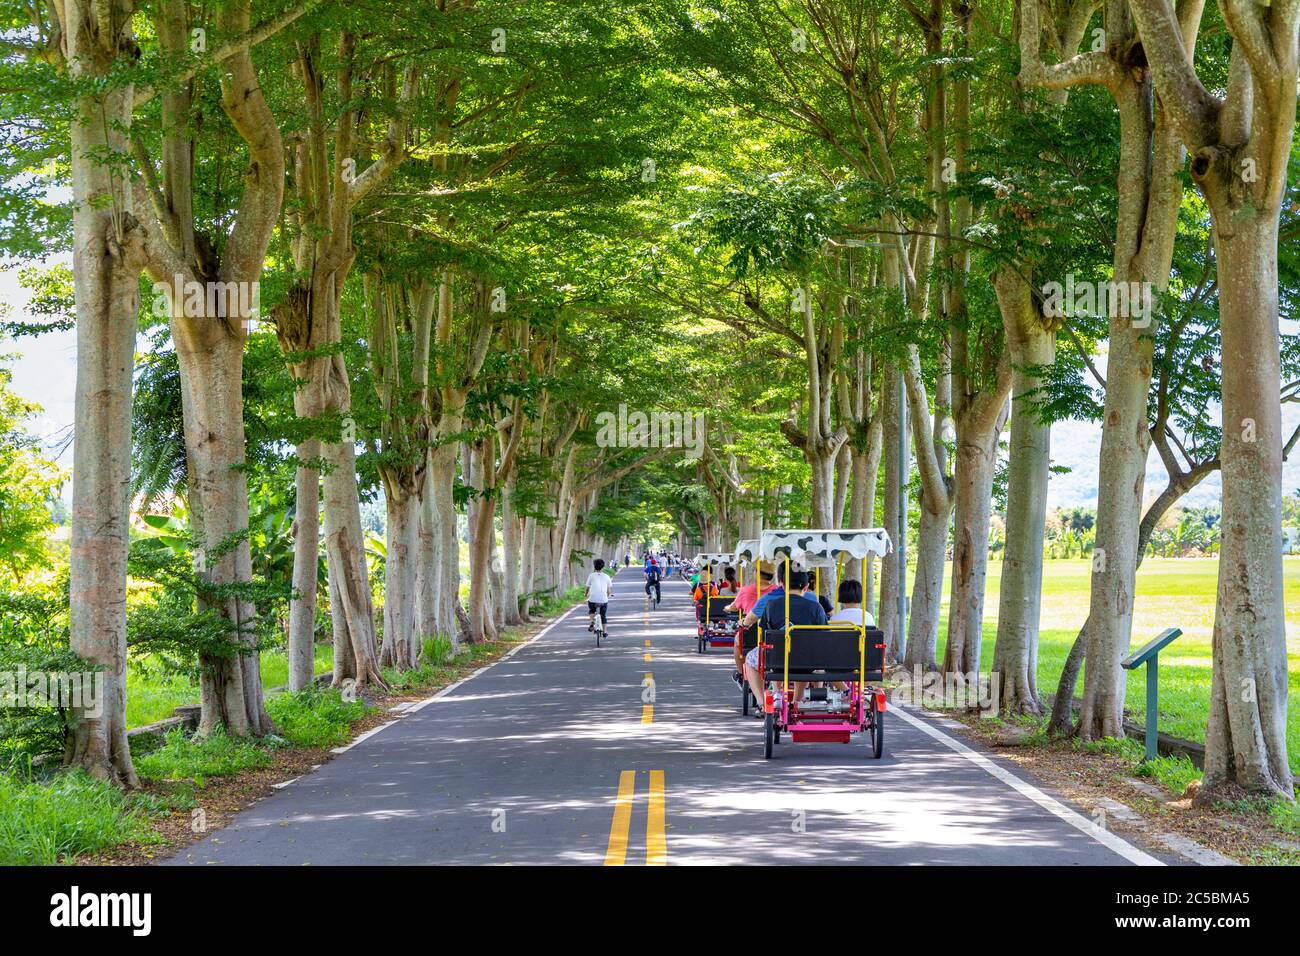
1173	773
186	757
436	650
315	717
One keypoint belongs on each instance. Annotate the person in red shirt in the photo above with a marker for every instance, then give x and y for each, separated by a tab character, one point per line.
729	580
744	602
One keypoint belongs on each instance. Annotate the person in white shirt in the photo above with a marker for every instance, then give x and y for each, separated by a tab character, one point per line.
850	612
600	587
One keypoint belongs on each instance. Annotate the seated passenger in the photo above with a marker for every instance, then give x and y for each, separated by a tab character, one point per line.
728	582
770	610
703	587
851	612
745	599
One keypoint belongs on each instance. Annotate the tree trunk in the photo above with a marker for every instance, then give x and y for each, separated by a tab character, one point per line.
401	645
927	589
889	566
306	563
211	359
568	515
345	552
1147	217
843	468
482	510
1015	650
106	267
528	555
977	452
821	489
511	534
1245	741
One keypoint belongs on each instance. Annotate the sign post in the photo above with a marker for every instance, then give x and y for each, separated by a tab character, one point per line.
1149	654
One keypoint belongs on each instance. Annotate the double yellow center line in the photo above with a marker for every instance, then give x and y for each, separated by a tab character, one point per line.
656	842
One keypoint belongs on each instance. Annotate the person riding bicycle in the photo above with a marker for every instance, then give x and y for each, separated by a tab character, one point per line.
600	587
653	577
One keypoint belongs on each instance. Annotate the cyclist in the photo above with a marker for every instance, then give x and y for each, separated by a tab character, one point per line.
600	587
653	577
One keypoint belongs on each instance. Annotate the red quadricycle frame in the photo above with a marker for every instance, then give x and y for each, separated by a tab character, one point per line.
716	626
846	654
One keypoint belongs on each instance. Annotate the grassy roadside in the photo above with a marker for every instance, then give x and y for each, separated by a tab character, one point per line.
1171	592
152	695
192	786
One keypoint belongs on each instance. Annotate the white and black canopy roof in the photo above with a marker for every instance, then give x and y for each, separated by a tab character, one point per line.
813	547
746	551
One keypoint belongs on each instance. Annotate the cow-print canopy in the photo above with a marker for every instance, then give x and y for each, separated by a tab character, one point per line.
824	546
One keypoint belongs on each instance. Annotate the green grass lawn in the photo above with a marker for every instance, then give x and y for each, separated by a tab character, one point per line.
1171	592
152	696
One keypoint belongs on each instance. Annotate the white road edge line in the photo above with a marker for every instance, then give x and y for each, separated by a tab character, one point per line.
420	705
1107	839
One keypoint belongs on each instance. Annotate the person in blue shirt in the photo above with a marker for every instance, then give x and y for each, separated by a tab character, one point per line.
770	610
653	576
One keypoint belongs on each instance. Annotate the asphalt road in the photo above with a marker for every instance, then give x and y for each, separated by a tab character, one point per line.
553	755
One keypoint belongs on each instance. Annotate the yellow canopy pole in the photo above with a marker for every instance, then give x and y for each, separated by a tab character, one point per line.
838	565
785	672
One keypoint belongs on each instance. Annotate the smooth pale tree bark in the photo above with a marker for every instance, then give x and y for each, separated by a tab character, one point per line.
565	523
978	430
489	471
936	503
209	331
306	562
481	476
511	539
866	474
843	470
821	442
891	424
106	264
438	557
461	349
1149	194
395	309
860	406
308	322
1031	340
1240	149
1031	344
